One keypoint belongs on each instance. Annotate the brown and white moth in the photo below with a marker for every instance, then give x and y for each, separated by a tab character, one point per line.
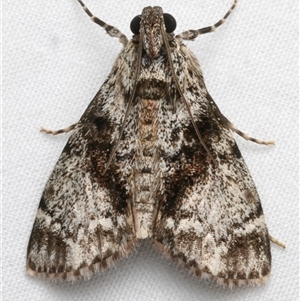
152	156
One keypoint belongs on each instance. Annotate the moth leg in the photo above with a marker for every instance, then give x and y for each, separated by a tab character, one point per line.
246	137
112	31
65	130
193	34
276	241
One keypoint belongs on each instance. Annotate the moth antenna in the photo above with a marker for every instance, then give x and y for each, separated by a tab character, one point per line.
183	97
112	31
192	34
138	70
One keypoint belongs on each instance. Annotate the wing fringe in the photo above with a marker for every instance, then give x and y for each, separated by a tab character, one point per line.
85	272
225	282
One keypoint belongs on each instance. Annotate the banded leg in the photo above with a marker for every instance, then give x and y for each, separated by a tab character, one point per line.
57	132
193	34
112	31
277	242
245	136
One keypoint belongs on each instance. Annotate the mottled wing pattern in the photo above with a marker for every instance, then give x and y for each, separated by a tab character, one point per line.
134	167
210	217
84	220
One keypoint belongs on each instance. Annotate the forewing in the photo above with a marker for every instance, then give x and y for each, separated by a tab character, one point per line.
84	219
210	217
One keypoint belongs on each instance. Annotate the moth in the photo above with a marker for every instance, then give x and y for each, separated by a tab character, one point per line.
152	157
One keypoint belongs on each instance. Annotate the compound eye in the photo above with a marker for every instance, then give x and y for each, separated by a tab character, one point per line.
170	23
135	24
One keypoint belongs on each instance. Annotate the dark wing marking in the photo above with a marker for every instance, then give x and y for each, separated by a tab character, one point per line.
84	220
210	217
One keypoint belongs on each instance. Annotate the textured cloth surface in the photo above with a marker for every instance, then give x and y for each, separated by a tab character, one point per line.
54	61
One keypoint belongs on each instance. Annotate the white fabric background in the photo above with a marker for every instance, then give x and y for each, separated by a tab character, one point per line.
54	61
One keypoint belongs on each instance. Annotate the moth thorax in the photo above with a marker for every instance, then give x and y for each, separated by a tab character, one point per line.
153	40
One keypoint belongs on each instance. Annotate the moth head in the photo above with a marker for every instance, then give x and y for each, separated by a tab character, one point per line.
152	24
